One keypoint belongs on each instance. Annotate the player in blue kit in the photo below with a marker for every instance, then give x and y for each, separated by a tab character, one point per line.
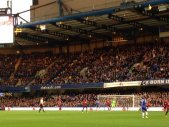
143	105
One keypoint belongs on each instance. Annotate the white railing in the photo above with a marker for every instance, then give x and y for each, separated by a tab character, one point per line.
80	109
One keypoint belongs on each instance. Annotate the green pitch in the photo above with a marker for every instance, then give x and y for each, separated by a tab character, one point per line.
78	119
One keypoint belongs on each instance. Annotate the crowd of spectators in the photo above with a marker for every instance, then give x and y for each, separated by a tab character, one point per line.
56	68
122	63
31	64
7	67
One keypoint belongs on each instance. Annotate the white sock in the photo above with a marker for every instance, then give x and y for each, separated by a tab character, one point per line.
146	114
142	114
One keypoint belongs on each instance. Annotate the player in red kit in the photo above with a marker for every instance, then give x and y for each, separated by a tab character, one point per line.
60	103
166	107
108	104
84	104
148	104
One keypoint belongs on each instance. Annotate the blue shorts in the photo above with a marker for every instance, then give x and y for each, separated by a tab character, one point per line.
144	109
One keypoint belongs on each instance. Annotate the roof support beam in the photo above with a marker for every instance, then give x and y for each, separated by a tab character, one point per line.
60	9
34	38
137	20
133	23
82	31
101	26
49	32
58	34
98	26
151	15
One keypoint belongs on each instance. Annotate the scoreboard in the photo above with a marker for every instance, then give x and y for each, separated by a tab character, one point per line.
6	29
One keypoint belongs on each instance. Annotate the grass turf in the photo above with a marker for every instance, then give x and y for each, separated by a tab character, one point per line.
78	119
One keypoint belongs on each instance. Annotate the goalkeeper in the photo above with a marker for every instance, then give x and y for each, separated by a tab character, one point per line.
113	103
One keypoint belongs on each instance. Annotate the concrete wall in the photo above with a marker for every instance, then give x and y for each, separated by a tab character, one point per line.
89	5
44	12
51	11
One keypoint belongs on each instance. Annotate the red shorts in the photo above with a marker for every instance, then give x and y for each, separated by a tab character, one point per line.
84	105
41	105
166	108
108	105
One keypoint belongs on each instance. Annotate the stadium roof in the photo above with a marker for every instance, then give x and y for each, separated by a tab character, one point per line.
126	21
